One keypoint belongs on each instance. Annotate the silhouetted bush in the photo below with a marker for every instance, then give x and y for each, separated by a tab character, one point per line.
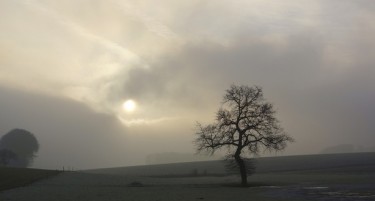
136	184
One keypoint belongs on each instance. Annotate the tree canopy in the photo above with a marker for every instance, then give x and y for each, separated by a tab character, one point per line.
23	144
6	156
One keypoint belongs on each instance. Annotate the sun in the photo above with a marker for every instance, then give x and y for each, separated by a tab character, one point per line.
129	106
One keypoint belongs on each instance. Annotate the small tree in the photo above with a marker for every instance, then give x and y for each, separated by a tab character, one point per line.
245	124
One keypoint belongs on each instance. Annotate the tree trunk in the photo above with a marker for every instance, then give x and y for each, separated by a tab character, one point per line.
241	165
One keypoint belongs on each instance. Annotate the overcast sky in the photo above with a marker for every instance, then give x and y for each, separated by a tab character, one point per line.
66	67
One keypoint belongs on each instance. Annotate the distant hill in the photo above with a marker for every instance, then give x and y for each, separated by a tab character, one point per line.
366	161
347	148
174	157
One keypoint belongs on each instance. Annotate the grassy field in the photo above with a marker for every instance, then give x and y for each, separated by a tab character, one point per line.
341	177
355	162
16	177
280	186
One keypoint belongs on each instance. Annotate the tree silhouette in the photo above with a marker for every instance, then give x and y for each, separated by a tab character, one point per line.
245	124
6	156
23	144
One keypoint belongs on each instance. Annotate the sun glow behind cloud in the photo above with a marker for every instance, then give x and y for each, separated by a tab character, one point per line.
62	57
129	106
73	59
100	52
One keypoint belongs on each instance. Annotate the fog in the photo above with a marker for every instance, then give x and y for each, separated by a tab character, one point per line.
66	67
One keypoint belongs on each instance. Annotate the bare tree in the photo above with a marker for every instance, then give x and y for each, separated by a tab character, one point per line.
245	124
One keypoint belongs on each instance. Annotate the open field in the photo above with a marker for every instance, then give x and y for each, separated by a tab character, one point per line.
15	177
327	162
354	182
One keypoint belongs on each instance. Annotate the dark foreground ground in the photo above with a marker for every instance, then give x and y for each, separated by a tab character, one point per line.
299	186
16	177
353	180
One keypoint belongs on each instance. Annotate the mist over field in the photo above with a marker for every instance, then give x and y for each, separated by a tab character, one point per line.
68	70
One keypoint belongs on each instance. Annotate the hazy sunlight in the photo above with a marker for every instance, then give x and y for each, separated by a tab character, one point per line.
129	106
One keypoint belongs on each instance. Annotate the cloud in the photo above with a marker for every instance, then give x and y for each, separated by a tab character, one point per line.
152	24
313	80
61	57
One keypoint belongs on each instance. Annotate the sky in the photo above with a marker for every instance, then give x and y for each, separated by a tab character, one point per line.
66	68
